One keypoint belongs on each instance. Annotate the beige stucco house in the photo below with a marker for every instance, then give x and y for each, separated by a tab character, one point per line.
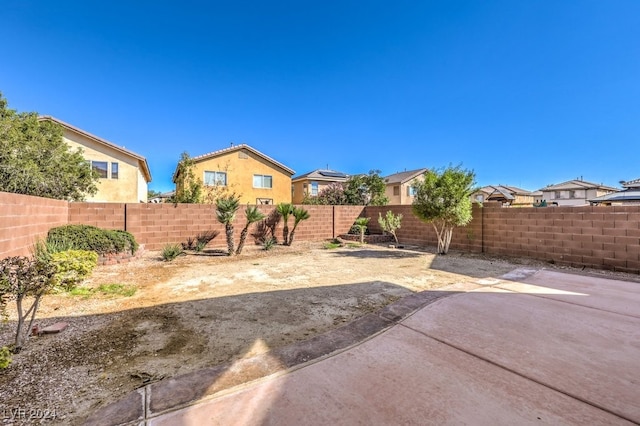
510	196
401	186
243	170
311	184
124	175
575	192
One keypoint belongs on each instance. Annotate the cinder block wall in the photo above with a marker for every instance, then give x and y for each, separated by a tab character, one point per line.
415	232
25	219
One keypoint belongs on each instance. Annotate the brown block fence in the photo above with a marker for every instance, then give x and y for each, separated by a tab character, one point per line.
599	237
25	219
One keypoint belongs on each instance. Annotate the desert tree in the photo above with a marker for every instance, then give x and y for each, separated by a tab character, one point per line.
24	278
443	199
226	209
366	189
299	214
284	210
390	223
253	215
188	187
361	224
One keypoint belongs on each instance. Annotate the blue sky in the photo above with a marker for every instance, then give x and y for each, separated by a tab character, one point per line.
525	93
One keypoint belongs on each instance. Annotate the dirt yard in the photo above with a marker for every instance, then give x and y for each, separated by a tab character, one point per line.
202	310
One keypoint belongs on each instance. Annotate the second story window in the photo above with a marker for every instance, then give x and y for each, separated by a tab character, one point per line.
262	181
101	168
114	170
411	191
314	189
215	178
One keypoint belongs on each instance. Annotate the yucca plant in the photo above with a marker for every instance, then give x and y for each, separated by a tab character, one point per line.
299	214
361	224
284	210
253	215
226	208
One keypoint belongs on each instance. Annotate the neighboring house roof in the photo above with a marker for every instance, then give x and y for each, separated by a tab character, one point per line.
234	148
325	175
505	190
577	184
403	177
631	183
144	166
628	195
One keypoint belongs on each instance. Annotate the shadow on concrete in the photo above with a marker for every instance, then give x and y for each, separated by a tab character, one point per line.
364	253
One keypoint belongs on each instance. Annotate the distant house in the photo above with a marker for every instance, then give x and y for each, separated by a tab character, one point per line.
401	187
507	195
124	175
241	169
630	195
311	184
575	192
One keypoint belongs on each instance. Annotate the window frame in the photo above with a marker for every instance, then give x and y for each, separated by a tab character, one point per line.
115	170
262	181
216	181
99	170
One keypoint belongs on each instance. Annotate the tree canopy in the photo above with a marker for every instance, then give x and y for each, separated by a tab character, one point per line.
443	199
34	159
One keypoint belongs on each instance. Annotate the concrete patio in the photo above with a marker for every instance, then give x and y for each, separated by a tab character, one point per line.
534	347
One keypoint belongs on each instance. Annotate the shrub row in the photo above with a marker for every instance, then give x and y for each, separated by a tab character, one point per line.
86	237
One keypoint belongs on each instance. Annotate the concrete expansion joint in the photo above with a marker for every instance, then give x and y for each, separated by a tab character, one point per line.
517	373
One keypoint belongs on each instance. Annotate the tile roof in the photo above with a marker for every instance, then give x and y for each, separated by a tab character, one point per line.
403	177
323	174
239	147
577	184
142	160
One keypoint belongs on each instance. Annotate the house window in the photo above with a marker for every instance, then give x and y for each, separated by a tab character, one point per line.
396	190
314	189
215	178
479	198
101	168
411	191
262	181
114	170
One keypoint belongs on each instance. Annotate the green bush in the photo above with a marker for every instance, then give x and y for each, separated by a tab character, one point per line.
86	237
5	357
73	266
171	251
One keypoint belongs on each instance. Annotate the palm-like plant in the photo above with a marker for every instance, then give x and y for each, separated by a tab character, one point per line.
226	208
284	209
299	214
361	224
253	215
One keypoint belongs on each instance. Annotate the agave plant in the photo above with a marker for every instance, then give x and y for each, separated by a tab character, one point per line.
299	214
253	215
285	209
226	208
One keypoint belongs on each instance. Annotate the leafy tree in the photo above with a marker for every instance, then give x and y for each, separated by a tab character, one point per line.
390	223
443	199
299	214
226	208
35	160
366	189
153	194
188	187
361	223
284	210
23	277
253	215
332	195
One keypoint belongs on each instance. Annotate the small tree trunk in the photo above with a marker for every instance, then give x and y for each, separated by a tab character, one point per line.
33	310
395	237
448	232
361	235
230	242
243	237
285	234
440	234
19	337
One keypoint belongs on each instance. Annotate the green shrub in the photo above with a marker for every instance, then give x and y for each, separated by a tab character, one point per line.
73	266
171	251
86	237
117	289
269	243
5	357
